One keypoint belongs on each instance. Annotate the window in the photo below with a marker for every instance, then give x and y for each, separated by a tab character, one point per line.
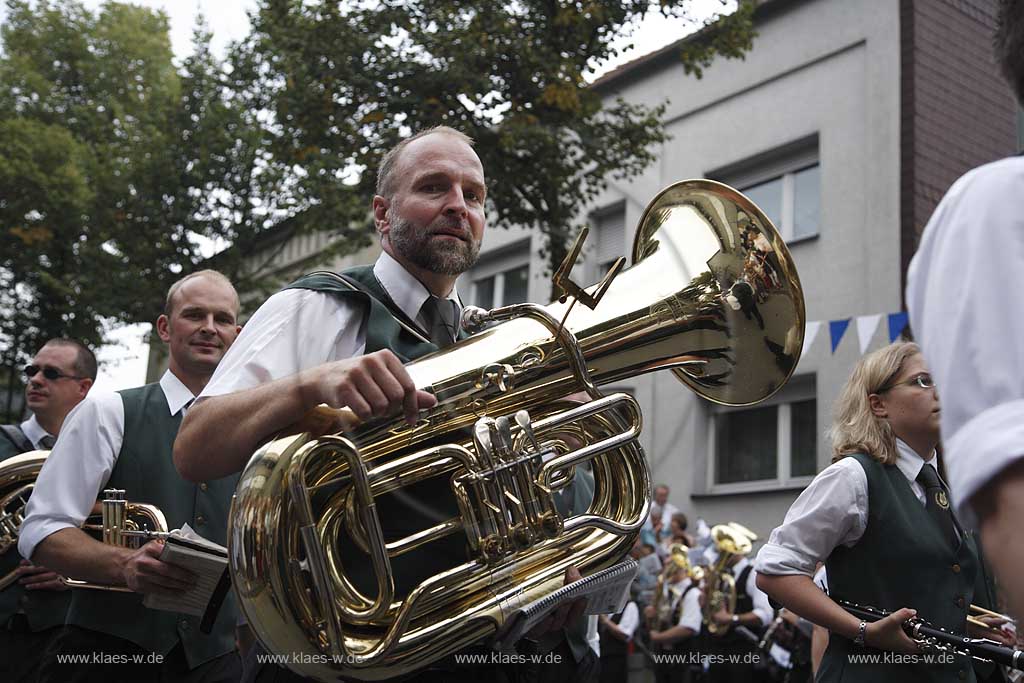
607	240
785	184
773	443
502	288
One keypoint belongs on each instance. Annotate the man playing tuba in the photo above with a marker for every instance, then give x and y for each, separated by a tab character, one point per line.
321	341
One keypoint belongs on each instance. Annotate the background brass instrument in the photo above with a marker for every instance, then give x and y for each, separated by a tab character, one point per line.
677	559
730	539
113	520
713	295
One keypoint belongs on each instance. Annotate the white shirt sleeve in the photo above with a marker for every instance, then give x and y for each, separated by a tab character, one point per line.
76	470
821	579
691	617
762	608
966	315
286	335
630	619
831	511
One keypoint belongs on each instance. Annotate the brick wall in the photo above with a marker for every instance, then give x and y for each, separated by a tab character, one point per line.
956	110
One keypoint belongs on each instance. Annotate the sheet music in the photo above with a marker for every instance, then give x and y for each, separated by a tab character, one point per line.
206	559
606	592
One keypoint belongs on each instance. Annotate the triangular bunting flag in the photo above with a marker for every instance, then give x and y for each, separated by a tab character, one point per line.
810	332
897	322
837	328
866	326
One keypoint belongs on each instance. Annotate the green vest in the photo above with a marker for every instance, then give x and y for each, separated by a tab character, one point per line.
44	608
382	330
145	470
902	560
407	514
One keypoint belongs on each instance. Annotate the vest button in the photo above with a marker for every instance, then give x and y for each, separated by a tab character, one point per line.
960	602
183	624
956	569
202	520
962	675
204	486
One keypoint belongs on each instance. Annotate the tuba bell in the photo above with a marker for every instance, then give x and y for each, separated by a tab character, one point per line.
113	520
322	566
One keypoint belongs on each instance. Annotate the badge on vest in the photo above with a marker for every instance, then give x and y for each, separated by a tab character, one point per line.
941	500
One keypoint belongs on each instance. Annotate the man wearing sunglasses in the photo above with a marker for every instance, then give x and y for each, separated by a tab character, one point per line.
58	378
33	607
123	440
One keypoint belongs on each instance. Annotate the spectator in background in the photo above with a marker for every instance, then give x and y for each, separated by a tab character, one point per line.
662	511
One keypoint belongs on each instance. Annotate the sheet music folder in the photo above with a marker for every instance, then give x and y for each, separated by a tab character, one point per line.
206	559
606	592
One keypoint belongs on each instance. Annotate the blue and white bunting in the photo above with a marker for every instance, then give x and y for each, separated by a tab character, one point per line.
836	330
866	326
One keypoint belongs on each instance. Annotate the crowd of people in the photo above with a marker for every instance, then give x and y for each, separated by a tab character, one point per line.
889	525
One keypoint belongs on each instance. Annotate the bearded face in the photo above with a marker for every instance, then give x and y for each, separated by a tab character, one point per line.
446	246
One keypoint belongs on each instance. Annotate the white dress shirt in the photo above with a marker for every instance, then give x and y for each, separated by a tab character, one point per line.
690	616
34	432
80	463
762	608
630	619
969	320
831	511
298	329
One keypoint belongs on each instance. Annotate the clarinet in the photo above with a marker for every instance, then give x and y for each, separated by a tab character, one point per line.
933	638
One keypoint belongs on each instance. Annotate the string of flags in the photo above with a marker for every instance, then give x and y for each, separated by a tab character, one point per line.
866	327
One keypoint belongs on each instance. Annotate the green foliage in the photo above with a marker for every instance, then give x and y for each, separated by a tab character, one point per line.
113	163
343	82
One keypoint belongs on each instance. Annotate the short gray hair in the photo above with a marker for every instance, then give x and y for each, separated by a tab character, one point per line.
385	173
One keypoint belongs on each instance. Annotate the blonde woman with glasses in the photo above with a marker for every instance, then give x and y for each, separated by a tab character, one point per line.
880	520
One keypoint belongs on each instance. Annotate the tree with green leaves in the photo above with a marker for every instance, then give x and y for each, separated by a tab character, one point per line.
114	164
342	82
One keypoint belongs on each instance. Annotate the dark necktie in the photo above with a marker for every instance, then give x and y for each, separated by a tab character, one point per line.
439	315
937	503
46	443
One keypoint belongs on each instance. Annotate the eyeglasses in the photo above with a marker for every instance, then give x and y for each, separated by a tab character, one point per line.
50	373
923	381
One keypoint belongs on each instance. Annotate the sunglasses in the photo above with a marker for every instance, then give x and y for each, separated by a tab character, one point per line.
50	373
923	381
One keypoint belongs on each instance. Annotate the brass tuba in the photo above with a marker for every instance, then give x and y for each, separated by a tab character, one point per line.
113	520
327	573
730	539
